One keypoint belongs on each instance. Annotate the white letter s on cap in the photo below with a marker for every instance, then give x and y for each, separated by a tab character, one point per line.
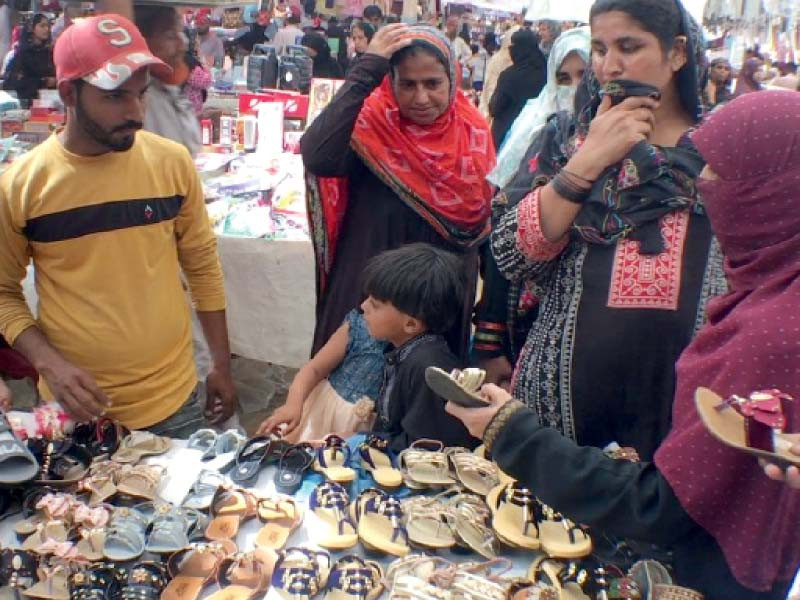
111	27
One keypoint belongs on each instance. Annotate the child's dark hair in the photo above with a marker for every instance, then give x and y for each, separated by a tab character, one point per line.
420	280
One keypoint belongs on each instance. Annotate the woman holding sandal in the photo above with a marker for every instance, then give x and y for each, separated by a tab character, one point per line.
733	530
613	237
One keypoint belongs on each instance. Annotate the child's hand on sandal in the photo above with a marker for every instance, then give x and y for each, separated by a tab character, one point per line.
289	415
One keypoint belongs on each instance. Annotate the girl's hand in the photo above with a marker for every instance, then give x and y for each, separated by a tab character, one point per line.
476	420
614	131
289	414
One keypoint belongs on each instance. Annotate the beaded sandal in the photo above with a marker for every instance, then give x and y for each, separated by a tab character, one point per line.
146	580
333	458
380	525
329	503
561	538
300	573
516	515
375	458
353	578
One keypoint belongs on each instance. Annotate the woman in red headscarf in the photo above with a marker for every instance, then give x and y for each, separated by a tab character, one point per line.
399	156
734	532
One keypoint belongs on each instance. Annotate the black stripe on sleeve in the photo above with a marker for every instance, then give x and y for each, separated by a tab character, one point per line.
108	216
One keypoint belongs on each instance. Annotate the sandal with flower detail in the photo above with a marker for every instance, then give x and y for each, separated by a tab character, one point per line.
353	578
194	567
425	465
381	525
96	582
146	580
100	481
125	535
461	387
91	523
230	508
281	517
515	512
758	424
299	574
476	474
42	506
329	504
375	458
168	531
333	458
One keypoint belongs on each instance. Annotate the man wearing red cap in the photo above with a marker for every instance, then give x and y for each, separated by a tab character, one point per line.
110	216
209	46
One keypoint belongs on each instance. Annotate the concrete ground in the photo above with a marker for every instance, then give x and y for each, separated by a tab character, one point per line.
261	388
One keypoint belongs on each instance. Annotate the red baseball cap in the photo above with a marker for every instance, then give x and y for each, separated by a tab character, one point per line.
104	51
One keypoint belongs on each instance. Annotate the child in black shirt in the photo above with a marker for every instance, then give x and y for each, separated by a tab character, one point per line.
414	294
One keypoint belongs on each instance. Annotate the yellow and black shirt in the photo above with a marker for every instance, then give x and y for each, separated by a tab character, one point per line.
109	236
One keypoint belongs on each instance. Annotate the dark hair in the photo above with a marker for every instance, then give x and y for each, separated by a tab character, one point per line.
368	29
152	20
420	280
662	18
372	12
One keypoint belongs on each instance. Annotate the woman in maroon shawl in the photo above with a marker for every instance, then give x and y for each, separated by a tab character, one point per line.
734	532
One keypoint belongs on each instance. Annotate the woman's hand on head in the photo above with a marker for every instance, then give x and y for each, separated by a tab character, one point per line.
791	476
388	40
613	133
476	420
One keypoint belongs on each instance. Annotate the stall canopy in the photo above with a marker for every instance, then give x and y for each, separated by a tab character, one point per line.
559	10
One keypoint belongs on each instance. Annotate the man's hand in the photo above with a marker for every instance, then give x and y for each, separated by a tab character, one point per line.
220	396
791	476
75	390
498	371
5	397
476	420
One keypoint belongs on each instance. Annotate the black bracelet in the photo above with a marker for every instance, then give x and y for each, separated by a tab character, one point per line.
569	190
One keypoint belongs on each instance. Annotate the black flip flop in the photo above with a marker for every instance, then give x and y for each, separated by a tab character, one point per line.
292	466
250	459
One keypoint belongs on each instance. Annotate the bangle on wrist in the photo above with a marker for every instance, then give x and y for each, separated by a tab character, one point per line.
570	189
574	175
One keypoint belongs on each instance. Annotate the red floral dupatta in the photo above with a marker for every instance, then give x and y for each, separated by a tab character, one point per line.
438	170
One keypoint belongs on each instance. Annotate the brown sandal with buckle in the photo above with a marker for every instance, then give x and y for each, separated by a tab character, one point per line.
230	507
282	517
243	577
193	568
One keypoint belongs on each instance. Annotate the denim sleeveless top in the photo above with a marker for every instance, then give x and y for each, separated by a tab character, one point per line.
361	372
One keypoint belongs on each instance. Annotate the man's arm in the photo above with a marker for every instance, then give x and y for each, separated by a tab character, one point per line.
197	252
72	387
